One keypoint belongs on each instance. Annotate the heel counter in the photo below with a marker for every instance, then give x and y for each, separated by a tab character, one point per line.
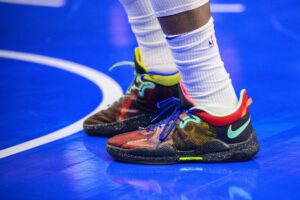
238	131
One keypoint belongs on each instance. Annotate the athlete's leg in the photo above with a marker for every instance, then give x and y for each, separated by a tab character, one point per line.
190	33
156	55
156	77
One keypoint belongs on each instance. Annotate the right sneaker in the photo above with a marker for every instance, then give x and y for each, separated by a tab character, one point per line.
190	133
136	108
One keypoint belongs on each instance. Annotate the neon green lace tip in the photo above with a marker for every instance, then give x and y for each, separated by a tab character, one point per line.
191	158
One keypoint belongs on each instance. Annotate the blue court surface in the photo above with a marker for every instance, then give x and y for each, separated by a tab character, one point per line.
54	60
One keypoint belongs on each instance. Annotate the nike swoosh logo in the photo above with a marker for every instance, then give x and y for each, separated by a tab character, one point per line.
233	134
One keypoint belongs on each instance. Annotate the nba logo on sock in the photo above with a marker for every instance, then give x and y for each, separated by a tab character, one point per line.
211	41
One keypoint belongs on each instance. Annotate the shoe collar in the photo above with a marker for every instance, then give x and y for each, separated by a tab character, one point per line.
158	78
240	111
140	68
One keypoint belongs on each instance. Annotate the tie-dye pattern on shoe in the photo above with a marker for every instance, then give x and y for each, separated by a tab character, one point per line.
184	136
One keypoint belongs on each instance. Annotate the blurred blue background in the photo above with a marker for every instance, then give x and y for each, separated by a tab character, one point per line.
260	47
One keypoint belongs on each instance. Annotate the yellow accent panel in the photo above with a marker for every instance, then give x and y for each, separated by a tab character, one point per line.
159	79
163	80
138	58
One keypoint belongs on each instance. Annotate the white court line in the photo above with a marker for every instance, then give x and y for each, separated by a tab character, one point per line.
46	3
227	7
109	94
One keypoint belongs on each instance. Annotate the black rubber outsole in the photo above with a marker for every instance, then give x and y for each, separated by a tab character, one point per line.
115	128
236	153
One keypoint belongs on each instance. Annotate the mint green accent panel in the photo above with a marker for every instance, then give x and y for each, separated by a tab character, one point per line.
188	119
144	86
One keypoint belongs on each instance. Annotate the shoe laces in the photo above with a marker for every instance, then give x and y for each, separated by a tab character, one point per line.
138	77
121	64
127	63
172	105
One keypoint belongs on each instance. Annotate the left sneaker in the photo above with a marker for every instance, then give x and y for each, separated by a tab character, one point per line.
137	107
190	134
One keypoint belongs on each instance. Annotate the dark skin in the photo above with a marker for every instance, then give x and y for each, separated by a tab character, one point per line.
185	21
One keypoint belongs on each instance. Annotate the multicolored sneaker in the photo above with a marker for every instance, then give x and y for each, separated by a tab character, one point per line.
137	107
190	134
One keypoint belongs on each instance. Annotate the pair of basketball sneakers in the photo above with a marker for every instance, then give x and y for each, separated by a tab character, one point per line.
156	122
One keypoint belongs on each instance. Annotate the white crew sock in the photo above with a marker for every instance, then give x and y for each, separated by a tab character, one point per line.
202	71
171	7
155	52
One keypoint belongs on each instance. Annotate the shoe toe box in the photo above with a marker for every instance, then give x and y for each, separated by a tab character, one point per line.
123	140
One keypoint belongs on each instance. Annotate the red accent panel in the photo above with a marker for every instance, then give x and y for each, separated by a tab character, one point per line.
125	106
225	120
120	140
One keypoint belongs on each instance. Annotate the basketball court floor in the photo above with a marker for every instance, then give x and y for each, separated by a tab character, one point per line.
54	60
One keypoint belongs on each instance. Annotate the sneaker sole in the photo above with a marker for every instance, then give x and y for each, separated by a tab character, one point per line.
115	128
236	153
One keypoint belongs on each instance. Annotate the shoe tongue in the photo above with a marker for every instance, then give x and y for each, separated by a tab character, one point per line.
185	102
